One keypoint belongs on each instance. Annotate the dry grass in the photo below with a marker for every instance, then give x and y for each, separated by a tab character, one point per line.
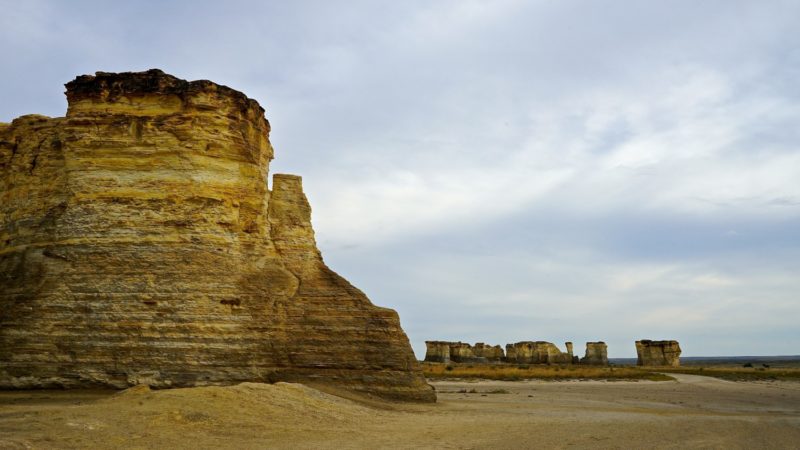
513	372
739	373
510	372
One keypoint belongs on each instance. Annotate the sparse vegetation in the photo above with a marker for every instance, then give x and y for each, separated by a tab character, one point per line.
475	391
735	373
498	391
542	372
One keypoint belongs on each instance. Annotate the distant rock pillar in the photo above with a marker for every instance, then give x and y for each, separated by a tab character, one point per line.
461	352
437	351
596	354
538	352
489	352
511	353
658	353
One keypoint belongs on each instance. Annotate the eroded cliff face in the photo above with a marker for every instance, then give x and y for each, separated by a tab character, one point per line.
139	244
658	353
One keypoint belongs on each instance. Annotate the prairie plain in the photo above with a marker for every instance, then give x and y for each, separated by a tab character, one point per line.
688	412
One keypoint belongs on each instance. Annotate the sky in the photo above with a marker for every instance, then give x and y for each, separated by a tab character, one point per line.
500	171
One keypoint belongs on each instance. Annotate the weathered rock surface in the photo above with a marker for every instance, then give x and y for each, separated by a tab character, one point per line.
538	352
596	354
139	244
461	352
658	353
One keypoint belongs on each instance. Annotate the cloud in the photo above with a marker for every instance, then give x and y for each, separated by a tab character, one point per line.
507	170
680	151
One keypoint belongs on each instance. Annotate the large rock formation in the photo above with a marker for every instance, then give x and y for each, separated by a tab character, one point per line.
538	352
461	352
658	353
139	243
596	354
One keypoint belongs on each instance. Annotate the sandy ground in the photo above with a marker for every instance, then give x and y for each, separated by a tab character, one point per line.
692	412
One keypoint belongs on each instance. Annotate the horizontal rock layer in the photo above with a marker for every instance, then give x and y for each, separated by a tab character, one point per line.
139	243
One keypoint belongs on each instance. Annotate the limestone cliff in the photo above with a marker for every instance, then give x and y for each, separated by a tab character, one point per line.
139	243
658	353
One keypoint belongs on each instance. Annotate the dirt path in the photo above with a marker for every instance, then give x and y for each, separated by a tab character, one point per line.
692	412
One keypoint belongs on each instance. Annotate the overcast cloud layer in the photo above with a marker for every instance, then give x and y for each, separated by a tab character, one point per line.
507	170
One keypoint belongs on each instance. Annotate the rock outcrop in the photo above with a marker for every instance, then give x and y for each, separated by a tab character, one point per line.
461	352
658	353
596	354
538	352
139	244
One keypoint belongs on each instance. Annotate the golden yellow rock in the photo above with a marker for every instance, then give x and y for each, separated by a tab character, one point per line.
139	244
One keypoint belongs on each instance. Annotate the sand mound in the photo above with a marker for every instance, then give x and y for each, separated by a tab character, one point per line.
182	418
263	402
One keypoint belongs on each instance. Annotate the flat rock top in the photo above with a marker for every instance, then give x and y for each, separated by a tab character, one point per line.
665	342
109	86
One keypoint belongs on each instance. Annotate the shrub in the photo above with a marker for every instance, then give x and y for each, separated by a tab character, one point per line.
498	391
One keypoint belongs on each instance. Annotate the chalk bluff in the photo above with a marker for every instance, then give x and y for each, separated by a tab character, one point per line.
140	244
